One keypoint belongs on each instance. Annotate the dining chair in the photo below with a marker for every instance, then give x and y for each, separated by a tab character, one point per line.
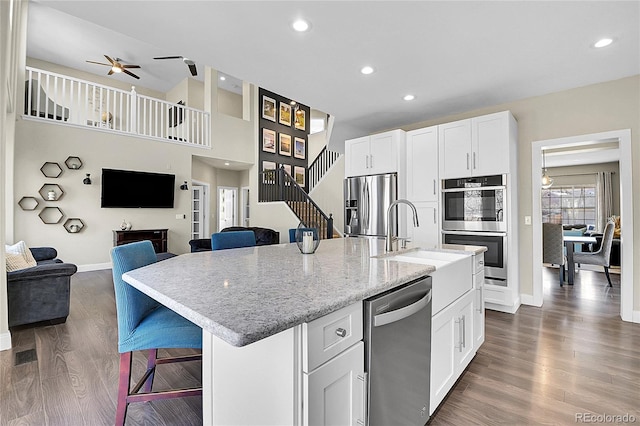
232	239
145	324
553	247
292	233
602	256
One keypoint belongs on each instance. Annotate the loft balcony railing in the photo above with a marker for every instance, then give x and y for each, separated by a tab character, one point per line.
59	98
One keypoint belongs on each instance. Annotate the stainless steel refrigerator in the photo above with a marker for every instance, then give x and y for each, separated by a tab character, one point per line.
366	201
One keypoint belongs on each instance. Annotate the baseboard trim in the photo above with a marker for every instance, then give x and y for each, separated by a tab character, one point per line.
94	267
529	300
5	341
636	317
503	308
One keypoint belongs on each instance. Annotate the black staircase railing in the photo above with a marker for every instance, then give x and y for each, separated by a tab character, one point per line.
278	185
321	165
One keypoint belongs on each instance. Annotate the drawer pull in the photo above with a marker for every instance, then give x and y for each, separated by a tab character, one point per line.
341	332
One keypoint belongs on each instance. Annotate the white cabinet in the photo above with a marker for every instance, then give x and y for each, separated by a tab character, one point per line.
426	235
478	315
477	146
451	346
422	165
333	378
375	154
334	393
422	185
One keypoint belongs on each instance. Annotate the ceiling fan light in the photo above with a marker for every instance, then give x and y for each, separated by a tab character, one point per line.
116	69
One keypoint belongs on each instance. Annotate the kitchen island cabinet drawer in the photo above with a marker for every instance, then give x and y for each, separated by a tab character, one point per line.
326	337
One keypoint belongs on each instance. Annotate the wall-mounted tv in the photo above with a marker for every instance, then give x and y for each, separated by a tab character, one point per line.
132	189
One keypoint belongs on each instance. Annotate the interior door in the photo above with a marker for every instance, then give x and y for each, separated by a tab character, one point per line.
198	212
227	207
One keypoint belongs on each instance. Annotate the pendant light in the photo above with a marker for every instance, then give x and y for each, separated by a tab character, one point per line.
547	180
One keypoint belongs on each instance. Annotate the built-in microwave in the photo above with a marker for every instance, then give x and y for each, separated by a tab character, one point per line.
474	204
495	258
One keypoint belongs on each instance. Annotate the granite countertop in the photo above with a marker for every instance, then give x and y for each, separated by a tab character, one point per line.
460	247
244	295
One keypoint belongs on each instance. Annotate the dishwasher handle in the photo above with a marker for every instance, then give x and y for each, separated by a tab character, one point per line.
399	314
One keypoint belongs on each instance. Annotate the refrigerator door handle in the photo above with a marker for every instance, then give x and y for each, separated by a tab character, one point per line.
366	206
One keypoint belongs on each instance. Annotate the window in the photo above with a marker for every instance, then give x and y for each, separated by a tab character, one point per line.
569	205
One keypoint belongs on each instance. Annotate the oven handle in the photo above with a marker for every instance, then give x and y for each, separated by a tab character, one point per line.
476	188
482	234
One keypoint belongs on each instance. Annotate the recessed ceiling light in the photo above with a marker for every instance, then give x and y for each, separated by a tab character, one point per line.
409	97
366	70
226	163
603	42
223	78
300	25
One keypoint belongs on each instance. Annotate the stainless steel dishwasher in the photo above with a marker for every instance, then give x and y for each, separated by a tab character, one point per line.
398	354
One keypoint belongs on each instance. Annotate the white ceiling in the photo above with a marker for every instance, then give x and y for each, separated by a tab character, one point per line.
453	56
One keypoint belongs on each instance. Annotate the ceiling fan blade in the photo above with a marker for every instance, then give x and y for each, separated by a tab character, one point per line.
130	66
110	60
192	68
99	63
110	71
169	57
130	73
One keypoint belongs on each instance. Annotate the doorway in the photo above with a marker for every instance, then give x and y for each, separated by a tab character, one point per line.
199	210
245	213
623	137
227	207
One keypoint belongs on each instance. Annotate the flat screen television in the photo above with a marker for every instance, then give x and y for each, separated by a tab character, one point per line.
132	189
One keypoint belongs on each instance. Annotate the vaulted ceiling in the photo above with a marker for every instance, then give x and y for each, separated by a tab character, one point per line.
452	56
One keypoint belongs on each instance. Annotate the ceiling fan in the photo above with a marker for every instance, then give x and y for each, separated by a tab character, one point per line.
188	62
117	66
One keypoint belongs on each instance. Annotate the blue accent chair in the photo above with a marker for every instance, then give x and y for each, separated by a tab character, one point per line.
232	239
292	233
145	324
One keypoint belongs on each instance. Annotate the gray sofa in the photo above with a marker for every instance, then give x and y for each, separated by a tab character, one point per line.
40	293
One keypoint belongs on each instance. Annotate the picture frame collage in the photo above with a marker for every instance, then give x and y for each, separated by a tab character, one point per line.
283	136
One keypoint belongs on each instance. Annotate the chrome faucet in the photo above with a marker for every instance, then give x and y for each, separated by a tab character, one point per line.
390	238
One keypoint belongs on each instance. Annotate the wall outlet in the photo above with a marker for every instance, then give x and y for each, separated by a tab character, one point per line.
181	216
527	220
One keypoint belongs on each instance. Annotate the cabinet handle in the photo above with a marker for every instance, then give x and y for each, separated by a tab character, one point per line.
463	321
341	332
459	322
434	217
366	161
474	160
371	161
479	292
363	411
434	187
467	161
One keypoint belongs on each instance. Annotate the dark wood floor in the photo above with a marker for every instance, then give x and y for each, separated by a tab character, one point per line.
539	366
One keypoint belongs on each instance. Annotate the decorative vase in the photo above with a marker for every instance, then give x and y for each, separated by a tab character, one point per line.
123	225
74	228
127	226
51	195
307	239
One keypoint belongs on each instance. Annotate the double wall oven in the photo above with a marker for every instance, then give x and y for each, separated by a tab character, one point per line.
474	214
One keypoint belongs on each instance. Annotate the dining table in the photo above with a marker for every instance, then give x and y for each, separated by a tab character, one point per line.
569	243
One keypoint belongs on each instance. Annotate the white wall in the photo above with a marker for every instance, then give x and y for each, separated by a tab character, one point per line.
329	194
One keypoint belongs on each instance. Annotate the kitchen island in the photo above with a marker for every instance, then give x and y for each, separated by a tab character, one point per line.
254	305
257	308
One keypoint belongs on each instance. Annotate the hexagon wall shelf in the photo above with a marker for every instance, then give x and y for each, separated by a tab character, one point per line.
44	192
28	203
51	215
51	170
73	163
73	225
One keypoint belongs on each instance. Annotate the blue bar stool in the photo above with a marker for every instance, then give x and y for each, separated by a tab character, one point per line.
145	324
232	239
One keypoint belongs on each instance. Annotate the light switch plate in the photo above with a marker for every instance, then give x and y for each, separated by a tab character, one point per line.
527	220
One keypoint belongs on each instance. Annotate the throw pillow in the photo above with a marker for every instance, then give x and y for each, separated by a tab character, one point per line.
21	248
15	262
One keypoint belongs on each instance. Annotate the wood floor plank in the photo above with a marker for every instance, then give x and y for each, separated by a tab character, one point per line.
538	366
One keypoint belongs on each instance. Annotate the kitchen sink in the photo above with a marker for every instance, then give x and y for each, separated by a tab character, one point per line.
428	257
